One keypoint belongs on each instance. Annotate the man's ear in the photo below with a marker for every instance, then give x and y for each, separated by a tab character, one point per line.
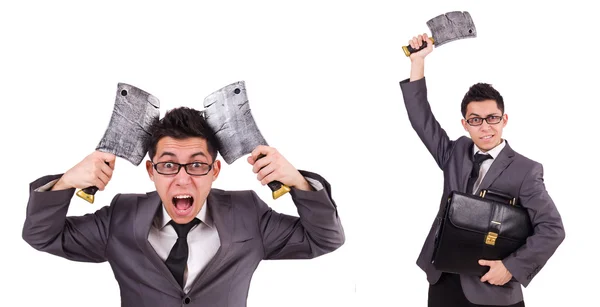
216	169
150	170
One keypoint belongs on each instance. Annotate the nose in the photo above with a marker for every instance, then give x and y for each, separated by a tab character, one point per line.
485	126
182	178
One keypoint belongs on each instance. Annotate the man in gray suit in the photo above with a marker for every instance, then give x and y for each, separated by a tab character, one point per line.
185	244
497	166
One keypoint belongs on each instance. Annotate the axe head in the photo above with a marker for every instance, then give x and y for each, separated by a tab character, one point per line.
128	132
451	26
227	113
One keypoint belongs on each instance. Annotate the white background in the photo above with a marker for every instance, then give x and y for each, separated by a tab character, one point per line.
322	78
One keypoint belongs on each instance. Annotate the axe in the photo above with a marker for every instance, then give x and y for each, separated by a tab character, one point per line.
227	113
128	132
446	28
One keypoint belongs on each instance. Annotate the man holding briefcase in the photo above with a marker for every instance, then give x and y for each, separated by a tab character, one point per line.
496	166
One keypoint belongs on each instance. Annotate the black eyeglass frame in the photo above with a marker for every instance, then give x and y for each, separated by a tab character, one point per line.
179	166
487	120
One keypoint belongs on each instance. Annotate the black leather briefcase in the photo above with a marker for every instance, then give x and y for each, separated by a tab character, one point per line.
490	226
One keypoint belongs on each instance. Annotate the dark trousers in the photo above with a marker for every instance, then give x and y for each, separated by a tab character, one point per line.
448	292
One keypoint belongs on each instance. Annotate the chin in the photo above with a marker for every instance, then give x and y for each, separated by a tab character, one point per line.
487	144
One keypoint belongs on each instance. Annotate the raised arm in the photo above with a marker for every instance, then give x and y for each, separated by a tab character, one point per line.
317	231
414	91
48	229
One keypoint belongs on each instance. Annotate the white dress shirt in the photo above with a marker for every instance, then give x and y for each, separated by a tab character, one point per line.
203	242
485	166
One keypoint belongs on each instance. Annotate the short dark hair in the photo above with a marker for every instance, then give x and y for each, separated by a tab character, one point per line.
181	123
481	92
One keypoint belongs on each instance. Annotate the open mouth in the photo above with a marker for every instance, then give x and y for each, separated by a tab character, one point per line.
183	204
487	137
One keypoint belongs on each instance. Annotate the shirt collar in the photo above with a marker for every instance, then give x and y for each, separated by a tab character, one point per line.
494	152
163	218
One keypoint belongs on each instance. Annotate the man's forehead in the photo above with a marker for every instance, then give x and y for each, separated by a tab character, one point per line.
184	146
486	107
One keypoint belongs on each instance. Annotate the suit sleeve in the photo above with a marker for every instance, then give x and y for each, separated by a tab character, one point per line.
423	121
48	229
315	232
548	230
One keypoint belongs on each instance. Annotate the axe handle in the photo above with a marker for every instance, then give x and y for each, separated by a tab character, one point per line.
408	50
277	187
91	190
87	194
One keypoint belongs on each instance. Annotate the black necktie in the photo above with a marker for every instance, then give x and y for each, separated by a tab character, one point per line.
479	158
177	260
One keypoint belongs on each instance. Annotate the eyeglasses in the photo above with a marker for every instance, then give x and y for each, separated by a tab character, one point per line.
173	168
477	121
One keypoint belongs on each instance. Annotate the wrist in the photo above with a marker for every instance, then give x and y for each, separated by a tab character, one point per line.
60	185
417	60
417	69
302	184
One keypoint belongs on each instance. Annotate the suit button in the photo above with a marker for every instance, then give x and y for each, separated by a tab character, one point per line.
187	300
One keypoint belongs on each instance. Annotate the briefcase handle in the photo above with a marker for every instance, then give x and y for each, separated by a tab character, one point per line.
498	196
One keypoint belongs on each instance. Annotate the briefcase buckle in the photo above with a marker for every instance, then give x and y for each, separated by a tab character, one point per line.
511	201
491	237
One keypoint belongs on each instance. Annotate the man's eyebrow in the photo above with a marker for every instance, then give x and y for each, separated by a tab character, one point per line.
170	154
167	153
491	114
200	154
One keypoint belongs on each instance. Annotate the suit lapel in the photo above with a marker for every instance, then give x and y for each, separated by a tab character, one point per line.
146	211
221	211
467	165
504	159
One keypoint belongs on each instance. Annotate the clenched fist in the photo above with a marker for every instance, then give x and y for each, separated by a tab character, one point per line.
95	170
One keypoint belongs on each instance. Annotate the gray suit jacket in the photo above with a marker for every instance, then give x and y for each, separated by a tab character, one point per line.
249	231
511	173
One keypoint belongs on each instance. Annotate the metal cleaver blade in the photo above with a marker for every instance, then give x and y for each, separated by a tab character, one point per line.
128	133
227	113
447	28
